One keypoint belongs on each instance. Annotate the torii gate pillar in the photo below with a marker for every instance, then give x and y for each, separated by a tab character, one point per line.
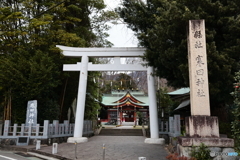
79	119
84	67
153	114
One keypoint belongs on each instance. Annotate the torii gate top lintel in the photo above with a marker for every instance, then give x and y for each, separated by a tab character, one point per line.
102	52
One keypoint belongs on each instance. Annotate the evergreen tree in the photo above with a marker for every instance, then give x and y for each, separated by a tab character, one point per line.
161	26
30	63
164	103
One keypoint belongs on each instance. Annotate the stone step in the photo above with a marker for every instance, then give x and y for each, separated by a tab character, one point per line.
128	124
121	132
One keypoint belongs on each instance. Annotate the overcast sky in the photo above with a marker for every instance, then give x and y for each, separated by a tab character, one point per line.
119	34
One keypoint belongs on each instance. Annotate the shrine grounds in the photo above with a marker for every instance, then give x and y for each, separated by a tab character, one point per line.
116	148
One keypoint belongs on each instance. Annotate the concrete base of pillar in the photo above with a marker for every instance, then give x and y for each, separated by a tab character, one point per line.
215	152
155	140
77	140
202	127
210	142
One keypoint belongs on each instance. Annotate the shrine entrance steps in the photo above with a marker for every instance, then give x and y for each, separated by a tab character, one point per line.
120	132
128	123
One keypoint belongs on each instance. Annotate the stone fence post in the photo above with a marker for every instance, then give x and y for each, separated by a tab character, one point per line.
66	126
22	129
37	129
45	127
177	126
56	125
14	129
171	124
30	129
7	124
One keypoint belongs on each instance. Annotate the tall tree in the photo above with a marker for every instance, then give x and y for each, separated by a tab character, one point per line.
162	29
164	103
30	63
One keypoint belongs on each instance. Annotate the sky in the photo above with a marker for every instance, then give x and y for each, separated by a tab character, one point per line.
120	35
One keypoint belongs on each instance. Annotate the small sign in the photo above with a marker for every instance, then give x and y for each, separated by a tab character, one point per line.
31	117
54	148
38	145
22	141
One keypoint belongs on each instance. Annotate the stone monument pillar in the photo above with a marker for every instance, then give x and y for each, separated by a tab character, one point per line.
198	72
200	126
31	116
198	78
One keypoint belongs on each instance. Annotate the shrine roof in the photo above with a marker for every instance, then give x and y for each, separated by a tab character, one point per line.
180	91
124	97
180	94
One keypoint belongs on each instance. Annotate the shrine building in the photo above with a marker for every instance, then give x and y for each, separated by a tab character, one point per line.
126	104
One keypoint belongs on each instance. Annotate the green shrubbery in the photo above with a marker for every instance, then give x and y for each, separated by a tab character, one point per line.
201	152
197	153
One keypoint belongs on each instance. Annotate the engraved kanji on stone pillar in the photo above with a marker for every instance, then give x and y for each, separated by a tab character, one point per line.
198	72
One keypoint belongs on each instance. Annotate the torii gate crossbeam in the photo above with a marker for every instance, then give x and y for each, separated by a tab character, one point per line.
85	66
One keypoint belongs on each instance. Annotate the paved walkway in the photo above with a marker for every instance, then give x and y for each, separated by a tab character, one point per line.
116	148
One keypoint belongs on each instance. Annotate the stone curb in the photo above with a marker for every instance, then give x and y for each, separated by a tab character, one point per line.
39	152
48	154
41	156
32	151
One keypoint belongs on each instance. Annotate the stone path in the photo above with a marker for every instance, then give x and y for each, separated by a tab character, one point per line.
116	148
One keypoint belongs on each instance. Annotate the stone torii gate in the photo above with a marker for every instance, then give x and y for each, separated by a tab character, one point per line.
85	66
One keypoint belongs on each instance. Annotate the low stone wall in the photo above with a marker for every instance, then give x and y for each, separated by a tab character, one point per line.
49	141
8	142
217	153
